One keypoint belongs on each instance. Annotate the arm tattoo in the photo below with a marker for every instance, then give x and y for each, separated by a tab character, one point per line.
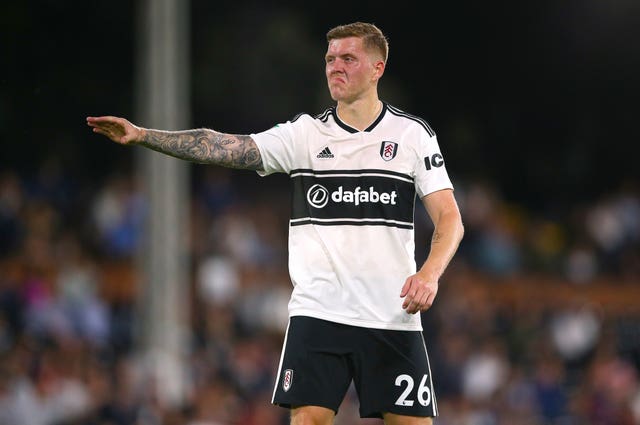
436	237
206	147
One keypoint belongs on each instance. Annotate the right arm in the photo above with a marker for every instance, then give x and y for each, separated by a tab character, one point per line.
198	145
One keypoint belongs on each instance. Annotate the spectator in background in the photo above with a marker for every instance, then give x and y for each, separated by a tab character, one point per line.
118	212
77	293
11	206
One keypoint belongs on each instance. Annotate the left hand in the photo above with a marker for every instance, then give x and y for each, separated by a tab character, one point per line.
418	294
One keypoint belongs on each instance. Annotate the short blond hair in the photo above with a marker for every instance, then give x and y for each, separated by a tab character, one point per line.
372	37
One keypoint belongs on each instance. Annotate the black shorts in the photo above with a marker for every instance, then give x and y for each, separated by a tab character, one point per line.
390	369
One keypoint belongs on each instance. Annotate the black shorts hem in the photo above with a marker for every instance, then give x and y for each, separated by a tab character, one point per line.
378	414
293	405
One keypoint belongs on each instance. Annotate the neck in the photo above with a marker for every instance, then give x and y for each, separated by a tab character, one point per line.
360	113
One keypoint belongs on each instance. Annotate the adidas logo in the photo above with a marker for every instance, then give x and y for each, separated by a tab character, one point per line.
325	153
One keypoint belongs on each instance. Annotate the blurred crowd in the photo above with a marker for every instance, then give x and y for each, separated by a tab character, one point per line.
69	290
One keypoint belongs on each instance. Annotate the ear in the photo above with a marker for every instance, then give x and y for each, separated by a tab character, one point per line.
378	69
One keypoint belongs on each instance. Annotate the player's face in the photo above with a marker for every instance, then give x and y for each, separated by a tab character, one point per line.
350	70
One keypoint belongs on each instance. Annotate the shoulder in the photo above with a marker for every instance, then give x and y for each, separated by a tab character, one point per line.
405	119
306	122
306	117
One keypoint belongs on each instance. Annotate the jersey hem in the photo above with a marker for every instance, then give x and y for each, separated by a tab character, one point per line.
356	322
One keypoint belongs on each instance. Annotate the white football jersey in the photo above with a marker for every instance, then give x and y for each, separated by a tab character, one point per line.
351	237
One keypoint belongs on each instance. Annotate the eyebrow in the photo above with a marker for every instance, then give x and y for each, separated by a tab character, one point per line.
342	55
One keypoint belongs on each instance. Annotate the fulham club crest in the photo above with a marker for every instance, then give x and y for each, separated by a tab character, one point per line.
287	378
388	150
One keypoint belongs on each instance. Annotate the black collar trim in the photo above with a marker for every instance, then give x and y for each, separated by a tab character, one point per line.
350	129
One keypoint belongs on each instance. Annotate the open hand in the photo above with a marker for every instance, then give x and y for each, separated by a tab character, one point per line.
117	129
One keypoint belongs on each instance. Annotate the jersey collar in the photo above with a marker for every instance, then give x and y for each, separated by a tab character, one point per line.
350	129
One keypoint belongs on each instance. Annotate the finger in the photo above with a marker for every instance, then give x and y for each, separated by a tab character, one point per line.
100	131
426	300
418	302
405	287
95	120
413	307
409	299
429	302
409	308
106	118
424	303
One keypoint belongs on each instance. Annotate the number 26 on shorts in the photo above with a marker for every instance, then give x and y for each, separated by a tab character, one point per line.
423	392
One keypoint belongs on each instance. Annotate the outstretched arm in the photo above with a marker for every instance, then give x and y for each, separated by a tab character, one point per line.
198	145
419	290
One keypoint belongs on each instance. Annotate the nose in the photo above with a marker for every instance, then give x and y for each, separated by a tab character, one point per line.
336	65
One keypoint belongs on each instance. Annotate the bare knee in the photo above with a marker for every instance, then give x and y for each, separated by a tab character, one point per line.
311	415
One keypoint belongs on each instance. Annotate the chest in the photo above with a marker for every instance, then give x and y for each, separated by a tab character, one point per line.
360	151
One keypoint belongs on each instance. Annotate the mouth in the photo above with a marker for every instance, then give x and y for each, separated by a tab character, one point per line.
335	78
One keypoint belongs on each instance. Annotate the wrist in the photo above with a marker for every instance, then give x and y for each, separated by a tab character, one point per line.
429	274
141	135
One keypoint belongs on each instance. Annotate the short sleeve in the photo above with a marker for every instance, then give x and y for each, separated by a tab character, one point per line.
430	172
276	147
